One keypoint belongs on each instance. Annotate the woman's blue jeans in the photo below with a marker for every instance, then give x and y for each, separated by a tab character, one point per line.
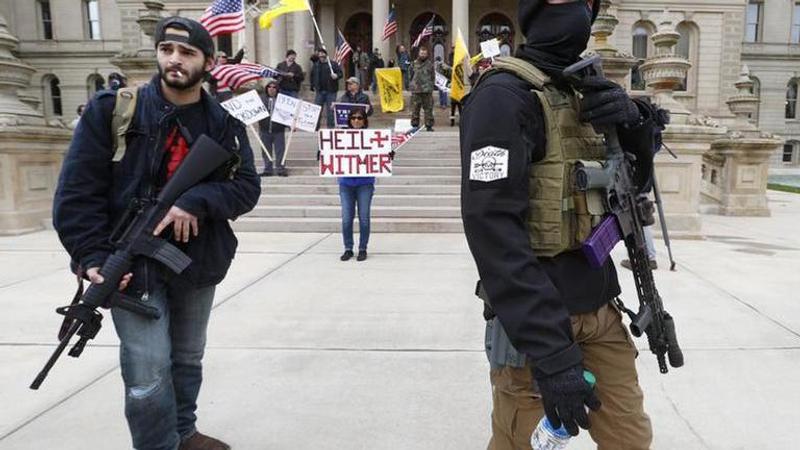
351	196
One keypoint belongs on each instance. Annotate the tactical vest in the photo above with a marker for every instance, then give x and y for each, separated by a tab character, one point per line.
560	217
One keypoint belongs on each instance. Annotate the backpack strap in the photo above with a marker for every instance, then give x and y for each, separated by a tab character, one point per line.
121	119
518	67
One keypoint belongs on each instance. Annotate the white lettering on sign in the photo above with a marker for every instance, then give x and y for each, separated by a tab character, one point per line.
489	164
247	107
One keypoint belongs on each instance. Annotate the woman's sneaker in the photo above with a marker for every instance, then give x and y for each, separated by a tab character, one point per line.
346	255
362	255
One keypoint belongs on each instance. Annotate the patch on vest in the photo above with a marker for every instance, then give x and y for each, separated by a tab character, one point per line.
489	164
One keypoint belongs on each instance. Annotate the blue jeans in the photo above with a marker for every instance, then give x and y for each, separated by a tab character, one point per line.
350	196
324	99
276	143
161	365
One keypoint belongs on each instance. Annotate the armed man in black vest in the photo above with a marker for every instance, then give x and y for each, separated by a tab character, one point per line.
549	312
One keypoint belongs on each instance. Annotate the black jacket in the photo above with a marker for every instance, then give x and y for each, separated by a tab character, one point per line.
290	83
93	191
321	80
532	297
360	98
266	125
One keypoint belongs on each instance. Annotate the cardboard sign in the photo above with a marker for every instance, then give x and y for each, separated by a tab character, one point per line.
490	48
355	153
441	83
247	107
342	110
296	113
402	125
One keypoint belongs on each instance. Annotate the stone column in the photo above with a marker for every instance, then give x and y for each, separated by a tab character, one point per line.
327	25
616	64
277	40
140	65
460	21
380	10
30	151
744	153
303	40
689	137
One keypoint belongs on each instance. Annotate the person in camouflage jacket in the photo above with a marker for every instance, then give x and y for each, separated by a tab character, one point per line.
422	85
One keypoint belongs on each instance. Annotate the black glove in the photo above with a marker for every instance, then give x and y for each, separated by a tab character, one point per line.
564	396
606	103
391	155
648	210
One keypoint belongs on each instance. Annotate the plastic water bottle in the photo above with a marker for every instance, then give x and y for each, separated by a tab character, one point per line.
546	436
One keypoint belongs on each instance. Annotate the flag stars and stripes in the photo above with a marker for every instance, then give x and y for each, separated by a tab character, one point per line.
223	17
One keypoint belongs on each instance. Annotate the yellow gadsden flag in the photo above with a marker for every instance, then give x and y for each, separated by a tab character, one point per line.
283	7
390	87
461	69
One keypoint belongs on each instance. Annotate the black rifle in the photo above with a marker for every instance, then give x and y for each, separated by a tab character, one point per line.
625	216
82	317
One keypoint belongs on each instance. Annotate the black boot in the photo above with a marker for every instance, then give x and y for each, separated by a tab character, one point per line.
362	255
346	255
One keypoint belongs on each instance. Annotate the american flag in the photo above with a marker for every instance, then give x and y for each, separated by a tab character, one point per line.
223	17
427	31
235	75
400	139
342	47
390	27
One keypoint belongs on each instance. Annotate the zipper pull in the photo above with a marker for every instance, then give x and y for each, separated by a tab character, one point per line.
145	296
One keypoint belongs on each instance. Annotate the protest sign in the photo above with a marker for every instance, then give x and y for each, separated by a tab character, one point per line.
355	153
295	113
342	110
402	125
490	48
441	83
248	107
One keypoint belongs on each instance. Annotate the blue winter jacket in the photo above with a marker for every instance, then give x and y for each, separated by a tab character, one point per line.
93	192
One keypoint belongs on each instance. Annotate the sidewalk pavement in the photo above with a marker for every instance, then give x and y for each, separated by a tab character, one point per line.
307	352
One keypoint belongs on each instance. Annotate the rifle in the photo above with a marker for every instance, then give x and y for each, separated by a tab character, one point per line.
624	219
82	317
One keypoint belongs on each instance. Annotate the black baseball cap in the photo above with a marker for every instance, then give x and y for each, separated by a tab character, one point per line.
195	34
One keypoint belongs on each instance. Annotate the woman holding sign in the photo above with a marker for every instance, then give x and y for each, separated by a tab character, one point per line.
356	191
272	133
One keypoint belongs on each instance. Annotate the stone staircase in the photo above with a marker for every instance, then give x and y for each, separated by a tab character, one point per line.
422	196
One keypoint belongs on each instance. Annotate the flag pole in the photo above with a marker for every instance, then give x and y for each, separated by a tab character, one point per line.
321	40
243	33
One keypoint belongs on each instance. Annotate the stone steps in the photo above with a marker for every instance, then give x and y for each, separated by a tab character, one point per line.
334	225
333	189
422	195
452	212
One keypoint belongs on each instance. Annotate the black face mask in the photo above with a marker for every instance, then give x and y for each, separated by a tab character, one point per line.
556	34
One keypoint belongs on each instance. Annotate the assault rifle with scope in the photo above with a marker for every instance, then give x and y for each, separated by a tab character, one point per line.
625	217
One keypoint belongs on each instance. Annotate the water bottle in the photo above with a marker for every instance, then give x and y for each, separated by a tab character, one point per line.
548	437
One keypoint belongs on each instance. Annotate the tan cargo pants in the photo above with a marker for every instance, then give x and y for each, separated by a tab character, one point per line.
609	353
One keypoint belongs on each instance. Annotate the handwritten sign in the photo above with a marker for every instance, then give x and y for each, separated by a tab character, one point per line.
490	48
355	153
296	113
441	83
247	107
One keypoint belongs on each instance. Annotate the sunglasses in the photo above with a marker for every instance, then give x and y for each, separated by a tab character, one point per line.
272	87
357	118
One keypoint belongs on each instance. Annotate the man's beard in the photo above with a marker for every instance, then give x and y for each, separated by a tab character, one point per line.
188	80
